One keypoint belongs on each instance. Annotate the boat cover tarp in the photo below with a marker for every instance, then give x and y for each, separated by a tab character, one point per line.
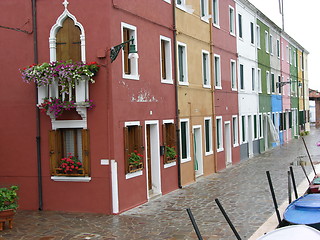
294	232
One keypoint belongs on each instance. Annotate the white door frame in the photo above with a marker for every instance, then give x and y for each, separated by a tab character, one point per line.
197	136
227	143
250	136
155	156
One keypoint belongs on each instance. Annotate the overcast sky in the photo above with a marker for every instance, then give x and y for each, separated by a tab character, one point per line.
301	22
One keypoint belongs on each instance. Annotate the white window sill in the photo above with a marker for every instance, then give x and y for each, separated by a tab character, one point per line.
170	164
132	77
236	145
184	83
70	179
234	89
135	174
217	87
167	81
186	160
216	25
208	153
206	86
220	150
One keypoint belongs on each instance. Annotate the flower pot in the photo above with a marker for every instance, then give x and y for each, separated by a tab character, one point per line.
135	168
6	215
169	160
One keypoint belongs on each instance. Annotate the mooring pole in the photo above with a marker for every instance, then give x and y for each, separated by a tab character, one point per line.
305	173
289	188
305	145
273	197
294	183
228	220
194	224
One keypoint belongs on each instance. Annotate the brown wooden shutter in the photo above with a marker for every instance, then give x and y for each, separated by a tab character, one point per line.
126	148
164	138
86	151
68	44
54	149
140	140
126	37
163	59
173	135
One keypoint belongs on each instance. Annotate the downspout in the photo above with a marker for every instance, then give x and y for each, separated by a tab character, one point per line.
303	92
176	91
35	60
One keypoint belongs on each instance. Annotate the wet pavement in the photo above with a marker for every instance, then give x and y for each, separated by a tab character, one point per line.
242	189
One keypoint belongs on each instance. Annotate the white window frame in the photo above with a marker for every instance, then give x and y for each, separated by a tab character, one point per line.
273	84
183	160
294	58
219	135
168	1
241	77
210	136
243	127
287	53
235	131
258	36
271	44
278	48
208	64
266	39
252	33
232	26
240	26
233	74
134	62
255	123
290	55
204	17
259	80
217	71
215	13
168	60
185	64
261	130
253	79
282	51
268	82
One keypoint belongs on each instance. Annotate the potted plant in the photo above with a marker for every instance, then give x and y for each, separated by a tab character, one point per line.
70	166
8	205
171	154
135	161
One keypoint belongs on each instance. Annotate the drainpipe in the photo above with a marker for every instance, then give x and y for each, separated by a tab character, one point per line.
35	60
303	92
176	91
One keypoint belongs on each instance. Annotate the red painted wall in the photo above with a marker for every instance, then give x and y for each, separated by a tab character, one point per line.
111	95
226	100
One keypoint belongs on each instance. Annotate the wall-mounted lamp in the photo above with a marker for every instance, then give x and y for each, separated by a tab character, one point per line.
281	84
114	51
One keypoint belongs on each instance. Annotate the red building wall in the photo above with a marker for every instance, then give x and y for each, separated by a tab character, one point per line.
110	93
226	100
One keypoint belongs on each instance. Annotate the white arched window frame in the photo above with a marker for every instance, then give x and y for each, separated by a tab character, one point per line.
82	92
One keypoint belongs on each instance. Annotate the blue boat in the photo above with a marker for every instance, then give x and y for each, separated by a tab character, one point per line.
304	210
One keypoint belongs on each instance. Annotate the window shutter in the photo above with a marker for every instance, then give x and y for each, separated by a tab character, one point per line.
126	148
164	137
54	149
126	37
68	44
139	139
163	59
85	151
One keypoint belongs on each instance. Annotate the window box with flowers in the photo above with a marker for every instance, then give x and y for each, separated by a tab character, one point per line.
66	81
170	154
70	166
135	161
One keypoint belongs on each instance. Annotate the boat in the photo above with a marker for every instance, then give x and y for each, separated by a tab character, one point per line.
305	210
293	232
314	186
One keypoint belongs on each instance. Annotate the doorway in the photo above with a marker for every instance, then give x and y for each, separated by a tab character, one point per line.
197	150
152	152
227	143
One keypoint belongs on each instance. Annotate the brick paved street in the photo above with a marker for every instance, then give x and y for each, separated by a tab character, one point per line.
242	189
